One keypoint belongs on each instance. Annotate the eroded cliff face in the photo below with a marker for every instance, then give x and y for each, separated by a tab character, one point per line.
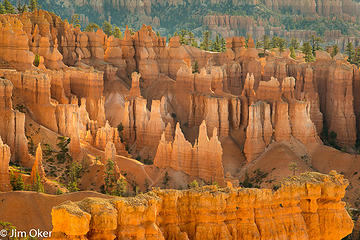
12	125
203	160
200	124
4	167
305	207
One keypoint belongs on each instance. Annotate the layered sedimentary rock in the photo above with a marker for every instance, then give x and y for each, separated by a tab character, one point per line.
269	90
14	48
259	130
312	96
145	40
107	134
37	171
12	125
155	126
340	115
4	167
302	127
203	160
282	123
306	207
135	85
88	84
110	151
335	83
70	125
34	87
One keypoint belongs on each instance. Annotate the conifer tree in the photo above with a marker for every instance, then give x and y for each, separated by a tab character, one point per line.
294	43
334	51
266	43
191	38
75	21
315	44
92	27
356	59
350	52
2	9
215	46
206	43
107	28
222	45
292	52
308	51
117	32
281	44
33	5
9	8
38	186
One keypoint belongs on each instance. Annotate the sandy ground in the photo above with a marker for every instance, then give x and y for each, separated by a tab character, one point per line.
28	210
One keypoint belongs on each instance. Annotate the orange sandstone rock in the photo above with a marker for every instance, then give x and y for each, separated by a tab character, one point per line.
12	125
135	85
302	127
37	169
203	160
4	167
307	207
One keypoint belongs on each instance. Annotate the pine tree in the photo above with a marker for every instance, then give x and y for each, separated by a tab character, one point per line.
73	172
335	50
75	21
33	5
356	59
222	45
315	44
294	43
292	52
9	7
259	44
206	43
274	42
63	155
183	37
215	46
308	51
17	183
266	43
120	188
38	186
19	7
350	52
117	32
107	28
192	39
282	44
92	27
2	9
110	178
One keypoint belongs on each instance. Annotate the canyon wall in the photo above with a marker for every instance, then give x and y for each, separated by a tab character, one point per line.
305	207
203	160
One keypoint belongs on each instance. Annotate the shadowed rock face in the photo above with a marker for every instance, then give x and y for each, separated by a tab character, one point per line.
305	207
